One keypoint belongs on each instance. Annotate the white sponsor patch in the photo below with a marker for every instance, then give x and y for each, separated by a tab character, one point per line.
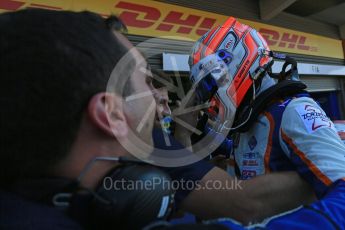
314	118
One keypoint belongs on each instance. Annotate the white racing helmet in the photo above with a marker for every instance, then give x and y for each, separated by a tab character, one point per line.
225	64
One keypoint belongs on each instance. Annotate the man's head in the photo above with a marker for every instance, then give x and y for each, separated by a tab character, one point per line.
225	63
161	94
55	67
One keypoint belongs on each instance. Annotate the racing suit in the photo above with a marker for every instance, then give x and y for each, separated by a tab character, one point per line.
292	134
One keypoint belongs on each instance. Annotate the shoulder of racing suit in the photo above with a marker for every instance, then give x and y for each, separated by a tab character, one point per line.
293	134
309	139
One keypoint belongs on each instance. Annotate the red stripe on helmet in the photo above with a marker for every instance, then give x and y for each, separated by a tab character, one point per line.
219	37
240	29
197	55
212	40
242	75
238	95
210	34
266	59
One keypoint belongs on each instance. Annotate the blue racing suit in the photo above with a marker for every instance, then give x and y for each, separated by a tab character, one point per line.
293	134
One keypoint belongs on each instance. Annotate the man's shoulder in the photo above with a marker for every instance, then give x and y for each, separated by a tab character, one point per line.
294	107
300	101
288	103
307	114
19	213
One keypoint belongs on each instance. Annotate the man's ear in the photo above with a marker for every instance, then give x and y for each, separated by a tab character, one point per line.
106	113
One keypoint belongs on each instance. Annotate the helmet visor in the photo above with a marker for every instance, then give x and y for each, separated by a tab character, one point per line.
209	74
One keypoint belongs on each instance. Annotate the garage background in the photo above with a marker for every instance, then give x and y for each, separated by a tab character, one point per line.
316	17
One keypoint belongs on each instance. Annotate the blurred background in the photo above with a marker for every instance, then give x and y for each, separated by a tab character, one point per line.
313	32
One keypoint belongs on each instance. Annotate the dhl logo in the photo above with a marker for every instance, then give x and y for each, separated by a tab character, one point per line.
11	5
148	17
155	19
286	40
183	23
138	16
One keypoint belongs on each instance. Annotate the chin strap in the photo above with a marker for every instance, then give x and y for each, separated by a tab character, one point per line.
291	74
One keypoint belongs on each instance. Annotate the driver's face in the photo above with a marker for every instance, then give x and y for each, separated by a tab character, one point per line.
162	100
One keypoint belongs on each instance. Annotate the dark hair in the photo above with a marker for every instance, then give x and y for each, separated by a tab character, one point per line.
51	64
114	23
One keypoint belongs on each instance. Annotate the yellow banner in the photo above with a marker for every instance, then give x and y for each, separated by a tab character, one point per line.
155	19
